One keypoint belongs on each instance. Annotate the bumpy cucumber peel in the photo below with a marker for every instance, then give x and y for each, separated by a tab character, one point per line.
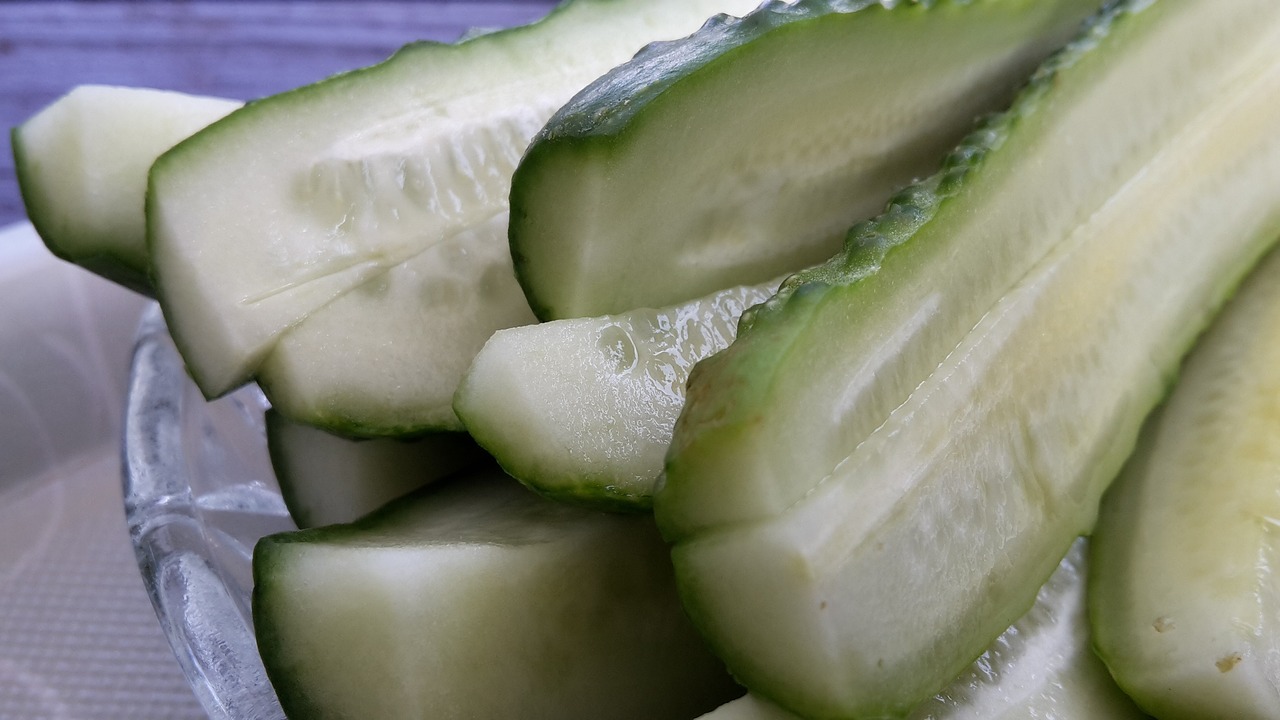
1182	587
768	135
871	483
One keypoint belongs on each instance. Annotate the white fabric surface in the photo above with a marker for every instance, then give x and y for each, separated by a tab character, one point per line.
78	637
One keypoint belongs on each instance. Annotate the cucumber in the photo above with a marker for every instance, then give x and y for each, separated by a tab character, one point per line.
1041	667
379	197
476	598
743	152
581	410
1183	588
872	481
326	480
82	167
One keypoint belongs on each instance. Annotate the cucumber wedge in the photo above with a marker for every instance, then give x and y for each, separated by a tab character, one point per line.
1041	667
1183	591
82	167
582	410
745	151
265	218
478	599
326	480
872	482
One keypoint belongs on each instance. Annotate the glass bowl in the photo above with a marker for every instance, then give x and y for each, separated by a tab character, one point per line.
199	492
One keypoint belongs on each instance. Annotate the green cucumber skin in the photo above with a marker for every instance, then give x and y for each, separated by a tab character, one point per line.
413	520
729	393
596	127
768	332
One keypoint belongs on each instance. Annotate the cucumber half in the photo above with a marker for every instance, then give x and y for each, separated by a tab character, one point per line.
325	479
1183	587
582	410
871	483
1041	667
379	196
82	167
744	151
478	599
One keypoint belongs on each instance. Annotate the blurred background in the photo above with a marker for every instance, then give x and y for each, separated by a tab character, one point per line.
239	50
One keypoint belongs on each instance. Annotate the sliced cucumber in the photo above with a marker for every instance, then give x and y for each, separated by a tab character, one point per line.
1183	591
479	599
746	150
1041	667
262	220
582	410
82	166
326	480
386	357
871	483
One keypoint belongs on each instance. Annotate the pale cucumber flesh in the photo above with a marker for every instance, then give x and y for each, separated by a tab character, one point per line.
582	409
386	357
871	483
1184	594
271	214
930	268
745	151
82	166
325	479
479	599
1041	667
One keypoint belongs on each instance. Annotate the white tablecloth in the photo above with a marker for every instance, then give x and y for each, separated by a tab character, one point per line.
78	638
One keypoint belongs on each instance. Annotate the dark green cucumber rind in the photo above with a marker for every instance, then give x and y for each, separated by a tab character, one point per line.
868	248
607	106
173	159
266	553
592	120
377	528
776	323
271	647
351	428
596	121
130	272
869	242
589	493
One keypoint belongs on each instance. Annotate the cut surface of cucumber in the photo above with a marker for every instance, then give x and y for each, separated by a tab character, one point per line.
478	599
870	484
582	409
265	219
1183	587
326	479
1041	667
82	167
746	150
